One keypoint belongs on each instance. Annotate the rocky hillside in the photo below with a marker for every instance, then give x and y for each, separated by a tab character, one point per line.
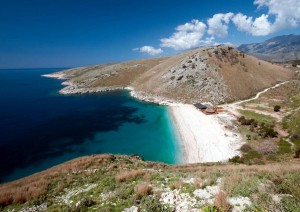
122	183
218	74
278	49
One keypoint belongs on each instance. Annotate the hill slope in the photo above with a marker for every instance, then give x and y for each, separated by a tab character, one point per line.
218	74
277	49
121	183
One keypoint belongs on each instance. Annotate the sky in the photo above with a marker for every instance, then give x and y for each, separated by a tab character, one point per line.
71	33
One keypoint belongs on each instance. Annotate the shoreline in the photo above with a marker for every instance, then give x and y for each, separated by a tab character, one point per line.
202	138
205	138
72	88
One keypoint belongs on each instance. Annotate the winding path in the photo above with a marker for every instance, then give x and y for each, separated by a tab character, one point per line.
259	93
233	108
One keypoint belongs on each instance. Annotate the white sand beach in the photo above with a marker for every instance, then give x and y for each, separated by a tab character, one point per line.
204	138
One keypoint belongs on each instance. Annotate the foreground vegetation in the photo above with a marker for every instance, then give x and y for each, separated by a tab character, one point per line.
113	183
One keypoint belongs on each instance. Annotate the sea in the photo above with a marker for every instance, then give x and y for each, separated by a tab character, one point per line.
40	128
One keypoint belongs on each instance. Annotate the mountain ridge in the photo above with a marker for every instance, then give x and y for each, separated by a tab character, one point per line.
277	49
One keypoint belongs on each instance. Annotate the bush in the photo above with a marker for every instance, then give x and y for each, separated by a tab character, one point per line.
245	121
236	159
241	118
221	201
297	153
152	203
254	123
142	190
248	137
267	147
269	131
245	148
289	204
277	108
84	205
294	137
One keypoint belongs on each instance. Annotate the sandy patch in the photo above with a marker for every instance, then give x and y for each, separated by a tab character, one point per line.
204	138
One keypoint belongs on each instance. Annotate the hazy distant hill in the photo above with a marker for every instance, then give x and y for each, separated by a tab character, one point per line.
278	49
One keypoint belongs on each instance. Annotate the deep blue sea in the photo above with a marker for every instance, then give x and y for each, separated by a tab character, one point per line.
40	128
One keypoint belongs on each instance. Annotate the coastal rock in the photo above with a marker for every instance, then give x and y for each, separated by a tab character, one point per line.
239	203
35	208
181	202
131	209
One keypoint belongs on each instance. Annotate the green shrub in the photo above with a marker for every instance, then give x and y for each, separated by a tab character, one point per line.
236	159
288	203
277	108
284	147
245	148
209	208
152	203
297	153
84	204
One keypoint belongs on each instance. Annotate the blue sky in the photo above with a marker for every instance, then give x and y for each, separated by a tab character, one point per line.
70	33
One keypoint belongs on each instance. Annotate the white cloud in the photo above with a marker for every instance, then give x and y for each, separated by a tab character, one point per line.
286	13
279	15
208	41
259	27
243	22
149	50
186	36
218	24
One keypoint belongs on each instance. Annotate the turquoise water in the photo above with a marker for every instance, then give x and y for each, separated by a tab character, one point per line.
40	128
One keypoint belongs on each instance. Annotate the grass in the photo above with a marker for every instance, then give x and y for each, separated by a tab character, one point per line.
292	124
284	147
142	190
221	201
129	175
258	117
140	185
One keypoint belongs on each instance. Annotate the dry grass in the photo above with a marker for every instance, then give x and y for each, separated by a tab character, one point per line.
221	202
198	182
36	185
176	185
276	168
129	175
21	192
244	84
143	189
127	72
46	182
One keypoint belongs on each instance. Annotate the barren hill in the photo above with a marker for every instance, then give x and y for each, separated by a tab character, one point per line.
215	74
